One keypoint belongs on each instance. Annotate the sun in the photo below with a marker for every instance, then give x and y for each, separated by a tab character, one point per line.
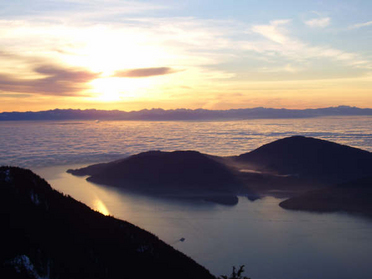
112	89
107	89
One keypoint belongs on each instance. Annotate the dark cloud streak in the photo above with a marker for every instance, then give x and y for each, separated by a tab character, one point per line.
57	81
145	72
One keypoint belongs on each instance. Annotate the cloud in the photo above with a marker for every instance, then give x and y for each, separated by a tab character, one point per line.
360	25
272	31
134	46
145	72
318	22
280	43
52	80
287	68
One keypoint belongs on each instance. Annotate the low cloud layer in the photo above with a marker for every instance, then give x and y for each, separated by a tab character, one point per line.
145	72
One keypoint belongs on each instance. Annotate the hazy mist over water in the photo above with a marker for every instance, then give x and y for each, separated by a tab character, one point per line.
270	241
45	143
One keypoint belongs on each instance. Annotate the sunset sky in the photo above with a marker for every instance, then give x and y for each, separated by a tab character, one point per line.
132	55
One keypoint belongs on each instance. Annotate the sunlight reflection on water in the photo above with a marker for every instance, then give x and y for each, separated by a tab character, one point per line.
100	207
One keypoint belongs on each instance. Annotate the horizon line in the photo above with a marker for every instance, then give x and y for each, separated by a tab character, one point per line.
188	109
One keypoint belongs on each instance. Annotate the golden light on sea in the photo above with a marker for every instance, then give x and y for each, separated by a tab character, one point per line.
101	207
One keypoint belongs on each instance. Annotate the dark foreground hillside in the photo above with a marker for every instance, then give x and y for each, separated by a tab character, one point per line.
48	235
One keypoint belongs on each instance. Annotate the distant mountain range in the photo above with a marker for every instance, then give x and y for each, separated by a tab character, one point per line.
183	114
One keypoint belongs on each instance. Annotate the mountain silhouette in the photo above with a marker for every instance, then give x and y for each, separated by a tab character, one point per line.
158	114
46	234
285	168
310	159
178	173
351	197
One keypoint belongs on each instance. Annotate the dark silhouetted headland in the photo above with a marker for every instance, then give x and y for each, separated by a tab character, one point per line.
351	197
286	168
183	114
48	235
310	159
178	174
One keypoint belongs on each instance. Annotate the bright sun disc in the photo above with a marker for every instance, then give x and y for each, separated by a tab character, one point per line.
114	89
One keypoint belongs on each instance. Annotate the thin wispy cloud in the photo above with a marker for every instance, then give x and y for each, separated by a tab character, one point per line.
286	68
360	25
281	43
145	72
318	22
273	31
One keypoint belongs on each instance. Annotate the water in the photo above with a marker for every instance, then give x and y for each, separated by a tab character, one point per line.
270	241
31	144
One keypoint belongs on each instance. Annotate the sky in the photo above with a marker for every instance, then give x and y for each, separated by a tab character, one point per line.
133	55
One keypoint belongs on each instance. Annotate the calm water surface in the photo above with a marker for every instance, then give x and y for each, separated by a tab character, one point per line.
270	241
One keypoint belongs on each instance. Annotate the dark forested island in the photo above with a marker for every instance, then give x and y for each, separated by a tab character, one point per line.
179	174
46	234
310	159
289	167
183	114
352	197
